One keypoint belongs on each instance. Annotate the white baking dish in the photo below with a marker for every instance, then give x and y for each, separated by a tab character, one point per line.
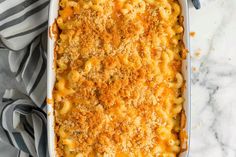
186	70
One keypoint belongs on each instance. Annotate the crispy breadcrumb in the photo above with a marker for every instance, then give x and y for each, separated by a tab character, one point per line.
118	61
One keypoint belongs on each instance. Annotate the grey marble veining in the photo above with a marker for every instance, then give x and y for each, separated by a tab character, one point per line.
213	51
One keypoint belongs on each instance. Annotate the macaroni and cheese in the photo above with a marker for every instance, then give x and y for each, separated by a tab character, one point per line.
118	90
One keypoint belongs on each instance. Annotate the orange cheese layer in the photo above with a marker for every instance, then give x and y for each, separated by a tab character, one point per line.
118	90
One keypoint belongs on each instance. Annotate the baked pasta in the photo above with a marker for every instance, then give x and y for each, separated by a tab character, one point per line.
118	90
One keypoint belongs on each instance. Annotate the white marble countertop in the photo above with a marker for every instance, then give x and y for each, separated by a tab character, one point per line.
213	51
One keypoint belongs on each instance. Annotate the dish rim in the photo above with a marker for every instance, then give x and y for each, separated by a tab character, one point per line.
186	70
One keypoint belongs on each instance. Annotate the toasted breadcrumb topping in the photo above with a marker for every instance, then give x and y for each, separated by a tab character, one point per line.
118	85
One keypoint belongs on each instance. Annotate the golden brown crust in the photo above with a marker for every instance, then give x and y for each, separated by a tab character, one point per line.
118	88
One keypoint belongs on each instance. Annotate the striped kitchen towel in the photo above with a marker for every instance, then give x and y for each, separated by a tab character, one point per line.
23	25
196	4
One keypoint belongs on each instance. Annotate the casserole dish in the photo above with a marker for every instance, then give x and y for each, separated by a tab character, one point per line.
53	13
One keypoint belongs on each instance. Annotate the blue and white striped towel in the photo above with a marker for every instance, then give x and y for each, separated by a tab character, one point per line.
23	25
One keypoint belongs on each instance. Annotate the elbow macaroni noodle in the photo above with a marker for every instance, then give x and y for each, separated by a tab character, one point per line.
118	90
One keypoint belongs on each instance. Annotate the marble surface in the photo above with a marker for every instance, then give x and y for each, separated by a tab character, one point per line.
213	51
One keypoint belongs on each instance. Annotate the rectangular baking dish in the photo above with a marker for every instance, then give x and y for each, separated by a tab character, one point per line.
186	70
